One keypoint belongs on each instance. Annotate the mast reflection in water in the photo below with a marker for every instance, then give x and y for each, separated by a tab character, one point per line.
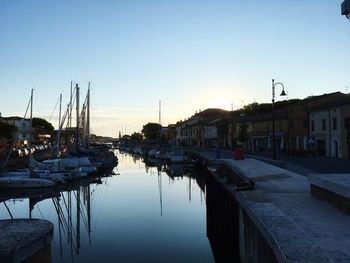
146	212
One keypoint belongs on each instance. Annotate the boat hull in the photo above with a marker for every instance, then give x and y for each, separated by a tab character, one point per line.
17	182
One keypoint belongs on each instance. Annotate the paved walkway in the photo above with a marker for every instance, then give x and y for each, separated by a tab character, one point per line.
299	227
300	165
312	164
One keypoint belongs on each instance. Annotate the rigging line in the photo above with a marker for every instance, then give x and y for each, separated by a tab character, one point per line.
65	204
64	226
60	235
54	109
84	219
8	156
25	114
98	214
40	211
82	214
59	214
8	210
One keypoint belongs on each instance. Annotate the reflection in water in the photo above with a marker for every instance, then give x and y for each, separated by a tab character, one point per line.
64	198
143	214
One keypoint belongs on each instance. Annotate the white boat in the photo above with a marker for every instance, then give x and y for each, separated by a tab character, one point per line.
78	166
60	177
25	182
177	155
68	164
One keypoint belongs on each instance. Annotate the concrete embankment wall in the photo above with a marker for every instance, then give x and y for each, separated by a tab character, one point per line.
222	221
258	212
232	233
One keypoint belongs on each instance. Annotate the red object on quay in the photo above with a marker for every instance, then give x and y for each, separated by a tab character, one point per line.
239	154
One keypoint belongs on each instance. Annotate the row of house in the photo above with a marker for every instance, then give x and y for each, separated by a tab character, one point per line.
201	129
318	125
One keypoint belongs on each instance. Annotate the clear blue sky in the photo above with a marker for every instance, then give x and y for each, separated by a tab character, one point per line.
190	54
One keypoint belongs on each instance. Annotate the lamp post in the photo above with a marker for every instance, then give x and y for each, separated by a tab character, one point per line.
345	8
283	93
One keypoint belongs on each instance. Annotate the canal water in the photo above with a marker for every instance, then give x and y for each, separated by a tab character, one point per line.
144	212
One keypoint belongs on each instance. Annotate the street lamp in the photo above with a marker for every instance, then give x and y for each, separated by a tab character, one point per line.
345	8
283	93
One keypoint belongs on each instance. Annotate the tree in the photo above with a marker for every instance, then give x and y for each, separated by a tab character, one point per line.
7	130
136	136
243	133
151	130
222	127
43	125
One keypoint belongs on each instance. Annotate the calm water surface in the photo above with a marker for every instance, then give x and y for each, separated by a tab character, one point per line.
141	214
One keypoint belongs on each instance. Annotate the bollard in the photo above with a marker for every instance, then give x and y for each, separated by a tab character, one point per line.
239	154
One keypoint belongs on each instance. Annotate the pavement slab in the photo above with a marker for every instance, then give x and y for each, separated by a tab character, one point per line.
304	228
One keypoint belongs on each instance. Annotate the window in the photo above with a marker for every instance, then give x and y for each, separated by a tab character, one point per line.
335	126
312	125
323	124
291	124
24	135
305	124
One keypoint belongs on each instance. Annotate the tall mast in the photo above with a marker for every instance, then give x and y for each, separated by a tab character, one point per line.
160	125
77	114
160	120
70	106
88	117
83	124
31	119
59	128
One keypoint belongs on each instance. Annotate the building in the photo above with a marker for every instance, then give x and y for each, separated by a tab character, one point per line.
329	129
23	128
345	130
211	134
300	142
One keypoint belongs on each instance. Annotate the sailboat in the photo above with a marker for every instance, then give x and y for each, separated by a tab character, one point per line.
26	178
77	166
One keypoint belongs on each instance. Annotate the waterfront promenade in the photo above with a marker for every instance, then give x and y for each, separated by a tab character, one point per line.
300	165
278	219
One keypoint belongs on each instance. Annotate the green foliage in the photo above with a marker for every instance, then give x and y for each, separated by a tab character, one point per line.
42	124
255	107
7	130
151	130
243	133
223	127
136	136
